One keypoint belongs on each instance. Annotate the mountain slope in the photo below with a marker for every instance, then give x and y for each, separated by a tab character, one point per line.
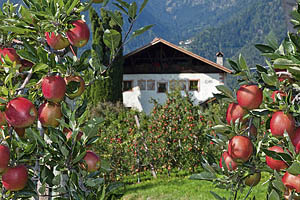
244	29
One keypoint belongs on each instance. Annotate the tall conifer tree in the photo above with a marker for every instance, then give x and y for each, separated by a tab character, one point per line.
110	88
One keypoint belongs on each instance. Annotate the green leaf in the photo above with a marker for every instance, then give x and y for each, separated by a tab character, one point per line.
81	109
79	158
294	168
264	48
217	196
283	63
143	5
242	63
294	70
203	176
278	185
123	3
111	39
269	79
141	30
225	90
117	18
40	67
73	5
132	10
273	195
220	128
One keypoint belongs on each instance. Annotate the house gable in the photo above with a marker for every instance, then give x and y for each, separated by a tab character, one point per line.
162	57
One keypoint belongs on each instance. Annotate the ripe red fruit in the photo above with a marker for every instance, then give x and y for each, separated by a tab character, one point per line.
92	161
79	35
228	161
234	112
291	181
56	41
253	179
49	113
54	88
78	90
281	122
249	96
69	134
4	158
11	53
276	164
274	94
296	140
15	178
20	112
240	148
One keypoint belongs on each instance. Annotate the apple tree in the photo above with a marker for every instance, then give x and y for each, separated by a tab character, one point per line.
261	131
46	133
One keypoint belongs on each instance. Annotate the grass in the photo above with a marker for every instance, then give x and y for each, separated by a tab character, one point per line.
181	188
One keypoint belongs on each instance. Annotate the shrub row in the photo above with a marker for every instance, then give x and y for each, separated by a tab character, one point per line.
173	136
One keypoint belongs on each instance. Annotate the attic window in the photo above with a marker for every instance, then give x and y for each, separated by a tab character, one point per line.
193	85
162	87
127	85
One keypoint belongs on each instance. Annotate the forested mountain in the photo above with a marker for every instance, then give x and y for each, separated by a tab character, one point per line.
230	26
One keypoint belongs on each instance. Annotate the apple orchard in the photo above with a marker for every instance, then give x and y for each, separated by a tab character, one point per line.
46	135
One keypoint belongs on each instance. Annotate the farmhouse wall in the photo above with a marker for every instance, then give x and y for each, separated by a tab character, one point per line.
139	98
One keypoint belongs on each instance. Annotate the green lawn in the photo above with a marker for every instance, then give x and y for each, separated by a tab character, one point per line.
181	188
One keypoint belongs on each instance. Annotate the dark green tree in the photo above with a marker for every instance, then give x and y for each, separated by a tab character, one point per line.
108	89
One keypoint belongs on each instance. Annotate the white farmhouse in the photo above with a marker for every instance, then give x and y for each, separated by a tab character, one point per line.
160	66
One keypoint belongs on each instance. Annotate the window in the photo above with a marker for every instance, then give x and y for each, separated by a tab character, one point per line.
127	85
182	84
142	84
161	87
150	85
193	85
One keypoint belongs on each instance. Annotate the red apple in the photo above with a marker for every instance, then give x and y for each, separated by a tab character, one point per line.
79	35
15	178
11	53
253	179
281	122
2	119
234	112
240	148
56	41
49	113
26	65
20	112
296	140
69	134
228	161
79	90
20	131
276	164
4	158
291	181
275	94
92	161
249	96
54	88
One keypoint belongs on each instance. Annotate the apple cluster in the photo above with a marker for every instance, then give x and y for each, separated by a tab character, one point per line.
20	113
240	147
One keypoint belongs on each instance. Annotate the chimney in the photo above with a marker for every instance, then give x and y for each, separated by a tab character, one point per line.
219	58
